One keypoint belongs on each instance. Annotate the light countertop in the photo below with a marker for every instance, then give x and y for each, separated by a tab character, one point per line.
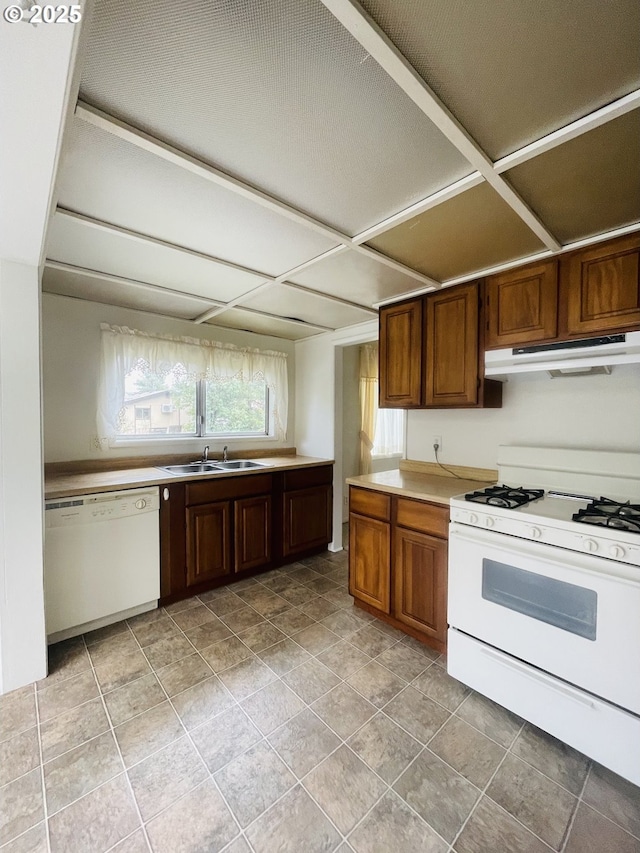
410	484
63	485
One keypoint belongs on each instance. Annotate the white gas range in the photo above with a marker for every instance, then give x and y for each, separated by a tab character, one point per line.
544	608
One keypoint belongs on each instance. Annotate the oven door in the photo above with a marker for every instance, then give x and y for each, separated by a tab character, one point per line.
573	615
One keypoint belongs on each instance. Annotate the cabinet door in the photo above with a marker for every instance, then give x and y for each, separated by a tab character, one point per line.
451	353
420	576
370	561
522	305
252	522
306	519
400	355
208	542
600	288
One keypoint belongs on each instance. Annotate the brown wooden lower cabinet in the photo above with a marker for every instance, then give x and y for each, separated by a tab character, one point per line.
398	562
215	530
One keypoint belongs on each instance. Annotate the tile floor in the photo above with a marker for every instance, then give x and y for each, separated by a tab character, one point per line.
273	716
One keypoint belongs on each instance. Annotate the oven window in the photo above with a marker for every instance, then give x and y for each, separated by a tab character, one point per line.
565	605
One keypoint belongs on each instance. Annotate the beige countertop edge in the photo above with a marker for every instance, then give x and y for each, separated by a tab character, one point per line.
71	485
424	487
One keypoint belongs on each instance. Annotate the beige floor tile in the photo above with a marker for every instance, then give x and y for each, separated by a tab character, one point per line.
202	701
240	620
261	636
491	719
136	843
441	796
164	777
344	659
468	751
194	616
322	585
344	710
184	674
222	604
420	648
17	712
225	654
253	782
148	732
210	823
284	656
66	659
555	759
22	805
170	650
593	833
303	742
118	670
73	728
614	797
246	677
542	806
376	683
385	747
151	632
32	841
298	595
225	737
292	825
311	680
416	713
392	825
318	608
272	706
181	606
292	621
115	647
344	787
342	623
209	633
371	641
157	613
96	822
441	687
315	638
303	574
66	695
18	755
133	699
75	773
340	597
403	661
272	605
490	828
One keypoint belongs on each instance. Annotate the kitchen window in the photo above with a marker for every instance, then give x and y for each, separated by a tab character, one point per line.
154	387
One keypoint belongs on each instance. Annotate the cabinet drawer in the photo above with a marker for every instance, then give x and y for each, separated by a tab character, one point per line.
422	516
206	491
373	504
306	478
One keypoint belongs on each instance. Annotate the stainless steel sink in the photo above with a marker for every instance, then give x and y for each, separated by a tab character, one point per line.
191	468
238	464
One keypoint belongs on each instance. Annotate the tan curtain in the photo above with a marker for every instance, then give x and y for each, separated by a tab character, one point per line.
368	403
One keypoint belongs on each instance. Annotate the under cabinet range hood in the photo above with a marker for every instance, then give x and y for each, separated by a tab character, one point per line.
566	358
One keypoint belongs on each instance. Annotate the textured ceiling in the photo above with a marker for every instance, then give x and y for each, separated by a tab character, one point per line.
218	146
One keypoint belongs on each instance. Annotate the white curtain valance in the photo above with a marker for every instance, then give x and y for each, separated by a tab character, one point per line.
123	349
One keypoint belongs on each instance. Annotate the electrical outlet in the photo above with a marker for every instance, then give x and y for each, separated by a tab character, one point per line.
345	501
437	439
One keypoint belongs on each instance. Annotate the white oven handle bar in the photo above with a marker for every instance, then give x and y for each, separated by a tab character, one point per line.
512	664
512	546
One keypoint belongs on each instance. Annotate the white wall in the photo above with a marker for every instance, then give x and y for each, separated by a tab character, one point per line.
581	411
22	630
71	353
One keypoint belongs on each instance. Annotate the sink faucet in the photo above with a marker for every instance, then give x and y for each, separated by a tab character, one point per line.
224	453
205	454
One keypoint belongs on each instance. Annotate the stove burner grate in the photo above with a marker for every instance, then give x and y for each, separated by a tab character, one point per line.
612	514
504	496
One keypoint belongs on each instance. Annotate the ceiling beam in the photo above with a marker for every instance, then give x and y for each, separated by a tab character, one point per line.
570	131
294	321
375	41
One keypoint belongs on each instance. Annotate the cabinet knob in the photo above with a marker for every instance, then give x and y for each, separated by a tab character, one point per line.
165	494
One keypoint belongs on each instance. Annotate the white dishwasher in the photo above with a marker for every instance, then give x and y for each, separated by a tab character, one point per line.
101	559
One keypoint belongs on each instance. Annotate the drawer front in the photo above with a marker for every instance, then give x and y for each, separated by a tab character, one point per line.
367	502
207	491
422	516
306	478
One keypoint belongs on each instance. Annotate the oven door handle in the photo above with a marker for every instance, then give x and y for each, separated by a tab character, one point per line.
521	669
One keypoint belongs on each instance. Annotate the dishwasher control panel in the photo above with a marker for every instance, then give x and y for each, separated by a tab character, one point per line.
101	507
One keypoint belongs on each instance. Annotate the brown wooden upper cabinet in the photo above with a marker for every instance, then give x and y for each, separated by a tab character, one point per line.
522	305
435	362
400	349
590	292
